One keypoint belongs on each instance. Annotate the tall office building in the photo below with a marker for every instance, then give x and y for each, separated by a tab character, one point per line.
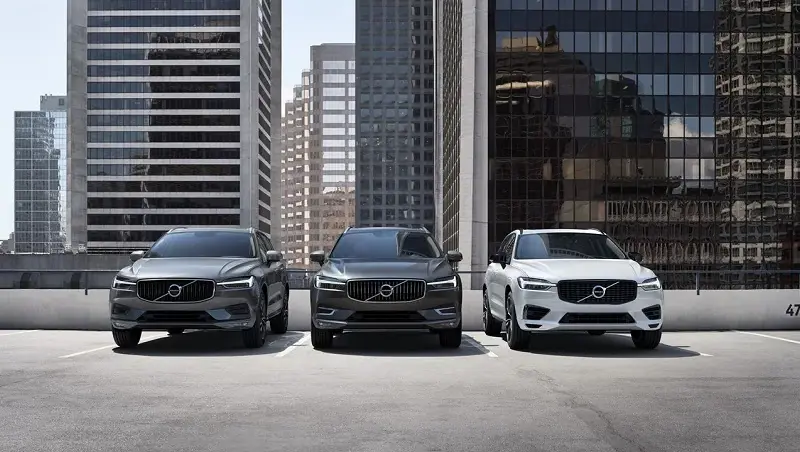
757	127
395	166
40	177
615	115
318	155
174	111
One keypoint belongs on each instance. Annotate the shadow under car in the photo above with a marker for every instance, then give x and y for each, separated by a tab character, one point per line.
397	343
210	343
609	345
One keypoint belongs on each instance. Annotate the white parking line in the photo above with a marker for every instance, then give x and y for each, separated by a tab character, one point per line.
475	344
72	355
768	337
18	332
294	345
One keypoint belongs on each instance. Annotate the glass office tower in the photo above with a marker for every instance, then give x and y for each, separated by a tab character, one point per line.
40	178
666	123
395	177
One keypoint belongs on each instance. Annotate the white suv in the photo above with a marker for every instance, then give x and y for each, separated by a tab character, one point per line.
569	280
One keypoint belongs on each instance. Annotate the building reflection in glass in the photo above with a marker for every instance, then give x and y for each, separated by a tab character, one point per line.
609	115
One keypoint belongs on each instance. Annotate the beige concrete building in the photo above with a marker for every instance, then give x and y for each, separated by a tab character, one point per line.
318	155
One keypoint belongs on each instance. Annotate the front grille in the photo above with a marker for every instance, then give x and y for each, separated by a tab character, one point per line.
580	290
652	312
597	317
535	312
401	290
386	316
191	290
175	317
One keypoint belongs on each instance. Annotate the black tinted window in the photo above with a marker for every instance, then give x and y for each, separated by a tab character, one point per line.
385	245
204	244
564	245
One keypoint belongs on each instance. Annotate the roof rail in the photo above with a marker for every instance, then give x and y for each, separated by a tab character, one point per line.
424	229
595	229
177	227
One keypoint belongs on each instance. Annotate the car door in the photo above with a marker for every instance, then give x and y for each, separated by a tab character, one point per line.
501	276
274	274
493	277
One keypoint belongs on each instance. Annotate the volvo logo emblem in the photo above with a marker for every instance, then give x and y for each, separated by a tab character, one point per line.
386	291
174	290
598	291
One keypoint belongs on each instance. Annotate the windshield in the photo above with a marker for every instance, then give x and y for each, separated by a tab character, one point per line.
567	245
385	244
203	244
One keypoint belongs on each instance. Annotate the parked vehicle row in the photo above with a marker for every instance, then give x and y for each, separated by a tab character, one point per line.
384	278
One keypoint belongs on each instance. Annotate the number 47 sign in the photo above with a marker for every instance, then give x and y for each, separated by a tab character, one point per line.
793	310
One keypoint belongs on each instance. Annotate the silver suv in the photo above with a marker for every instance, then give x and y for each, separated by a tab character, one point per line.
202	278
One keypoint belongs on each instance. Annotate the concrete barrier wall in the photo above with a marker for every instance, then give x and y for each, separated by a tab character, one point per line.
683	310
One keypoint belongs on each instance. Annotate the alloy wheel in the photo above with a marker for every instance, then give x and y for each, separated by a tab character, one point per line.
262	324
508	323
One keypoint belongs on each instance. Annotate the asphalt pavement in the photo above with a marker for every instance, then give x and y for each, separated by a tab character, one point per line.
713	391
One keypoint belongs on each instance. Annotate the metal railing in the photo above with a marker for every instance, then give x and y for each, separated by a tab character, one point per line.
85	279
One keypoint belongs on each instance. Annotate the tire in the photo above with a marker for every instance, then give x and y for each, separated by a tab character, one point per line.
126	338
491	326
450	338
516	338
280	323
174	331
321	339
596	332
256	336
646	340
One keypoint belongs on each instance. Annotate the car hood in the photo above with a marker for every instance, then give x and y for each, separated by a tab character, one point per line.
555	270
428	269
217	268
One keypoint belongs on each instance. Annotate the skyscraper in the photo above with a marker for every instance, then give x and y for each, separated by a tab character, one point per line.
174	113
40	177
395	167
318	155
613	115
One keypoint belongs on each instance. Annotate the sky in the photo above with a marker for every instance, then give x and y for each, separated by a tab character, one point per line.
34	54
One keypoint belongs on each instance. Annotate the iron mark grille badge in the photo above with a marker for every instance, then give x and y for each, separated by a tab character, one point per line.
174	291
386	291
598	291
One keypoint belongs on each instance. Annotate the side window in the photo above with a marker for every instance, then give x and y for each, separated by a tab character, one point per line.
267	242
509	246
503	244
262	249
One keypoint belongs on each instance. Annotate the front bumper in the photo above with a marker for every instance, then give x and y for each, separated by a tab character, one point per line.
227	310
334	310
542	311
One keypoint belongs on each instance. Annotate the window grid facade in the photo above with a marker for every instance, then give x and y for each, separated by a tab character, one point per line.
395	167
170	117
667	124
318	155
40	178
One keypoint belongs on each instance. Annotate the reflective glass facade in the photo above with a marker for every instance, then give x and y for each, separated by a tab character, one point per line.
395	113
180	136
40	178
669	124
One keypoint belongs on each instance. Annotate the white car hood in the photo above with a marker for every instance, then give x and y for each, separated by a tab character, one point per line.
555	270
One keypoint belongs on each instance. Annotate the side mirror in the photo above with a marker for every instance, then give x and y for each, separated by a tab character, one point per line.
498	258
136	255
273	256
454	256
318	257
636	257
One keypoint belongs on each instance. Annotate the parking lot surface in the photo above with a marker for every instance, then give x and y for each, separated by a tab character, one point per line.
712	391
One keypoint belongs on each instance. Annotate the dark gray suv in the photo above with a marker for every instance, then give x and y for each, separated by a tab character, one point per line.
386	279
202	278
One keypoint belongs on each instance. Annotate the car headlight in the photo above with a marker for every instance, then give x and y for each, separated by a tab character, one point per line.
123	284
534	284
325	283
650	284
447	283
238	283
